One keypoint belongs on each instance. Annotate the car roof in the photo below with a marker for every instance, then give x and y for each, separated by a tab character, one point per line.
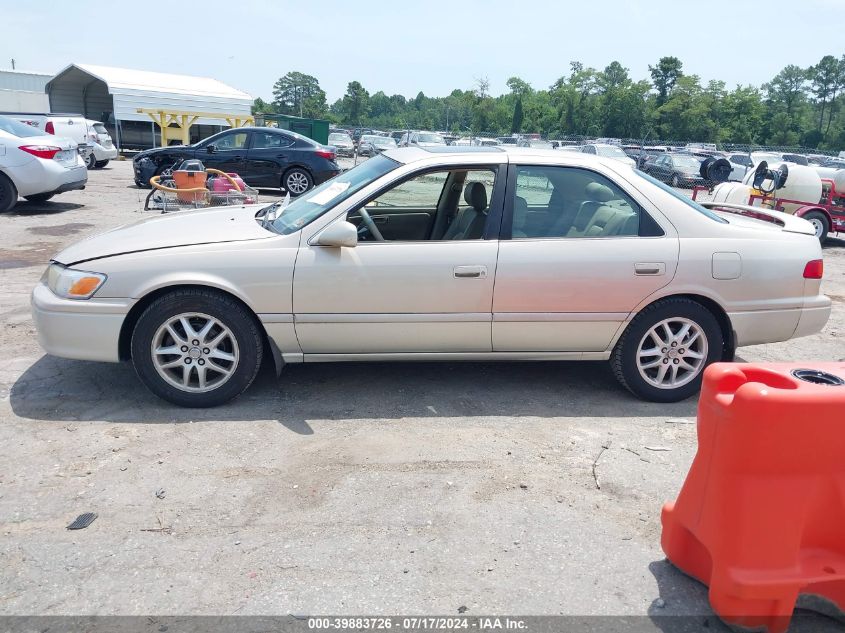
497	153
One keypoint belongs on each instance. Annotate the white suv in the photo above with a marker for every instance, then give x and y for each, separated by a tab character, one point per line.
100	140
36	166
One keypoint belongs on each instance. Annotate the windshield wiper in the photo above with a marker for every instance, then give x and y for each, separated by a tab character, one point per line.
275	210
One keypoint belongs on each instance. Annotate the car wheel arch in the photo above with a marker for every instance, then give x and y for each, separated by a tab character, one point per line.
713	306
131	320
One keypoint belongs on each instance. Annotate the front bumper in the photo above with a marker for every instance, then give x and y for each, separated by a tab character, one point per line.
82	330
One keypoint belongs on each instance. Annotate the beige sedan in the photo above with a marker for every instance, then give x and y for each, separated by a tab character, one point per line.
439	254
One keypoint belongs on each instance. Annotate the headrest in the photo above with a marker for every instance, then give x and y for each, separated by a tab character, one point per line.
598	192
476	196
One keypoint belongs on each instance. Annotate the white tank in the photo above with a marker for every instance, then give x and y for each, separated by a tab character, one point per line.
803	183
837	175
733	192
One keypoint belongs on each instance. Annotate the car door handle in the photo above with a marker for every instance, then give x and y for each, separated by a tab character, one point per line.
650	268
470	272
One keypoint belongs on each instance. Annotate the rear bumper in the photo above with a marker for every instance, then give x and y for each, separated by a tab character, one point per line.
814	316
72	186
82	330
772	326
101	153
322	176
40	176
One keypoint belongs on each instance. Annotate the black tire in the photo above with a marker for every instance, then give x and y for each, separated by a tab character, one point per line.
623	361
820	223
675	182
91	162
100	164
297	175
39	197
241	324
8	194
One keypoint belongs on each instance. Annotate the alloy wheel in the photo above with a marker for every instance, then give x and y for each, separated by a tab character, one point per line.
672	353
195	352
297	183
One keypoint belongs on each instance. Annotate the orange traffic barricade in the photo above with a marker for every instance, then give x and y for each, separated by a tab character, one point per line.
760	518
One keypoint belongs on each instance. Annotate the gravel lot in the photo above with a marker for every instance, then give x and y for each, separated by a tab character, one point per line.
343	489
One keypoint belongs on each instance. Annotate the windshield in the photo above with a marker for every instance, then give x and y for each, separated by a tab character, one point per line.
687	161
16	128
430	138
339	137
385	140
679	196
610	152
310	206
99	128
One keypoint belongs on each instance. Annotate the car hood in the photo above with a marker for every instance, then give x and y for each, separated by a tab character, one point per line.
181	228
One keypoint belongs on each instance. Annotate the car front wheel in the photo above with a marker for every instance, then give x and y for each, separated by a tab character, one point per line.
297	181
663	353
196	348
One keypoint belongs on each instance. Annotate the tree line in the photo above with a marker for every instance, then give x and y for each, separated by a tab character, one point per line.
797	107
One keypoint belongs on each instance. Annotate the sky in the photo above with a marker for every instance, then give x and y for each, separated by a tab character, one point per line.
433	46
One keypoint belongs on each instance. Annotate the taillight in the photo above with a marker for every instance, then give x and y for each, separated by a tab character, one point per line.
325	154
41	151
49	128
814	269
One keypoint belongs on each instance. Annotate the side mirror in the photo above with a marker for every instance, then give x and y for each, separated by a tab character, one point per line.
210	148
339	234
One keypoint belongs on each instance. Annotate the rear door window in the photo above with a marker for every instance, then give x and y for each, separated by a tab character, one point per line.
569	202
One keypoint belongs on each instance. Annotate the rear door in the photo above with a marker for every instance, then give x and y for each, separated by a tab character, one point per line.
268	157
578	254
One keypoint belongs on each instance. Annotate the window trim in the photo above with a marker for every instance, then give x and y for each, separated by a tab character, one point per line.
506	227
492	227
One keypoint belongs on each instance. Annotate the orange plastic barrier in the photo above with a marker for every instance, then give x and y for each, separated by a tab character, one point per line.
761	515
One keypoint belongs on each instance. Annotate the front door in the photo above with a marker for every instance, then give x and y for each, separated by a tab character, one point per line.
582	255
421	282
227	153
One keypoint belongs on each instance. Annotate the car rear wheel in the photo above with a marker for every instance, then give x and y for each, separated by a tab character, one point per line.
39	197
100	164
8	194
819	222
196	348
297	181
663	353
91	162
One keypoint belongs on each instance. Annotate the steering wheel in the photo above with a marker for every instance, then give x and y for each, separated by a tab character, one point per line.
368	221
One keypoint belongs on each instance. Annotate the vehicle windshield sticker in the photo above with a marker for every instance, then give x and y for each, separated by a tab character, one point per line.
329	193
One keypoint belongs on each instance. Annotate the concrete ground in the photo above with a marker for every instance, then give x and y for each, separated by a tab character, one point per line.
524	488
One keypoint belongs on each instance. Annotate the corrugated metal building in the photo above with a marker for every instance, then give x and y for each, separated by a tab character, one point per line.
23	91
113	95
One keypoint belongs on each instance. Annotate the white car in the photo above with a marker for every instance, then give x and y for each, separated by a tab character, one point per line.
422	139
68	126
36	166
608	151
101	142
475	254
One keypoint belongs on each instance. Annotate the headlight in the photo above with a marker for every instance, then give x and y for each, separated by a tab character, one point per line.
73	284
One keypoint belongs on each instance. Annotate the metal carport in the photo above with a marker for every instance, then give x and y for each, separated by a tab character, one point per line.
114	96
